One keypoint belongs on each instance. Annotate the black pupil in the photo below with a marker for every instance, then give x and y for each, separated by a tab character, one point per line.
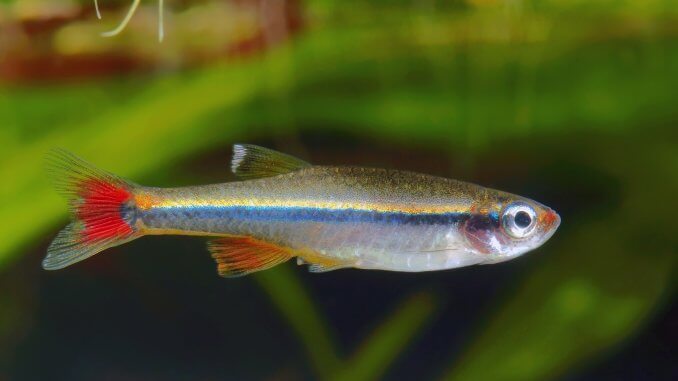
522	219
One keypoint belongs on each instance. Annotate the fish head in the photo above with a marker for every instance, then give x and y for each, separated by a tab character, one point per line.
506	226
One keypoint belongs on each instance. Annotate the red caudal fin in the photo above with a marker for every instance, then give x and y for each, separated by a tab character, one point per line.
239	255
102	210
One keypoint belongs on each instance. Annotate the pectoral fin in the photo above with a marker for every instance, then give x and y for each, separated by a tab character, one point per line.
319	268
319	263
239	255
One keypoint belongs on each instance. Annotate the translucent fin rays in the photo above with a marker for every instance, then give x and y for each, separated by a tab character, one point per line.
128	17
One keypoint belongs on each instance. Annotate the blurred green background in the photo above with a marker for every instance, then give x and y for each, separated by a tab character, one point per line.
569	102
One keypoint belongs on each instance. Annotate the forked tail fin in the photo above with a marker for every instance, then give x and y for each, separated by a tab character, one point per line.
102	210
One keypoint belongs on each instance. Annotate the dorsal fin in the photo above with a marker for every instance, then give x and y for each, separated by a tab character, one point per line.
254	162
242	255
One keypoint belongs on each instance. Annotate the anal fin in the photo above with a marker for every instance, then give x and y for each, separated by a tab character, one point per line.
241	255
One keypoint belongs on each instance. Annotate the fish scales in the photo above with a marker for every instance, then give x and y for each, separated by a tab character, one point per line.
345	212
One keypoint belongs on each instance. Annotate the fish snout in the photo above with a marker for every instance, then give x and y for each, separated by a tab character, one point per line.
550	220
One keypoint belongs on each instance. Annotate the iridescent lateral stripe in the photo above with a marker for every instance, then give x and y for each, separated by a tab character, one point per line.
302	214
145	201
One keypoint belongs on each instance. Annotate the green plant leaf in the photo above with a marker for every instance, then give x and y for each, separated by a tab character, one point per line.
391	338
295	304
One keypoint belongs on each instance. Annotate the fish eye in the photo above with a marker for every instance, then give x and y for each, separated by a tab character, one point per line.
522	219
519	220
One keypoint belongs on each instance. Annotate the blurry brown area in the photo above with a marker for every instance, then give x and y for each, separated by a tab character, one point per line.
64	43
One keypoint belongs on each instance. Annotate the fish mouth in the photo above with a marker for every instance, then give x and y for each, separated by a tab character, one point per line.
550	219
551	223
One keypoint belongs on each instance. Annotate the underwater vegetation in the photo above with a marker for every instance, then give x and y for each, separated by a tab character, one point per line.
569	103
128	16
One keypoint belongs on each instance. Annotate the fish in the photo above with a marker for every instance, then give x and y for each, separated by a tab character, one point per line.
327	217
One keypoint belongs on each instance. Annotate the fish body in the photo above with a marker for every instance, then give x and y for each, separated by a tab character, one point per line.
327	217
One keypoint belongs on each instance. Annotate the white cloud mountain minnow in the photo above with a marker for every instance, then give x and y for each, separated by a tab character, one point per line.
326	217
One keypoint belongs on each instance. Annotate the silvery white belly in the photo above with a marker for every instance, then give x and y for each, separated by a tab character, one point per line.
373	246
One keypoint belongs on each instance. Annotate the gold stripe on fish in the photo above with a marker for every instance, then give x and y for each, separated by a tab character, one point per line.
315	204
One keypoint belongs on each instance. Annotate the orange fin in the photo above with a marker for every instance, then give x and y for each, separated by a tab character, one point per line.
240	255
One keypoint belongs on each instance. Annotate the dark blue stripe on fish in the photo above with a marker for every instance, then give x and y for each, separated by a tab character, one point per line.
300	214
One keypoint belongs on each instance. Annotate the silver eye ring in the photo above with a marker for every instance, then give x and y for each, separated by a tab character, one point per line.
519	219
